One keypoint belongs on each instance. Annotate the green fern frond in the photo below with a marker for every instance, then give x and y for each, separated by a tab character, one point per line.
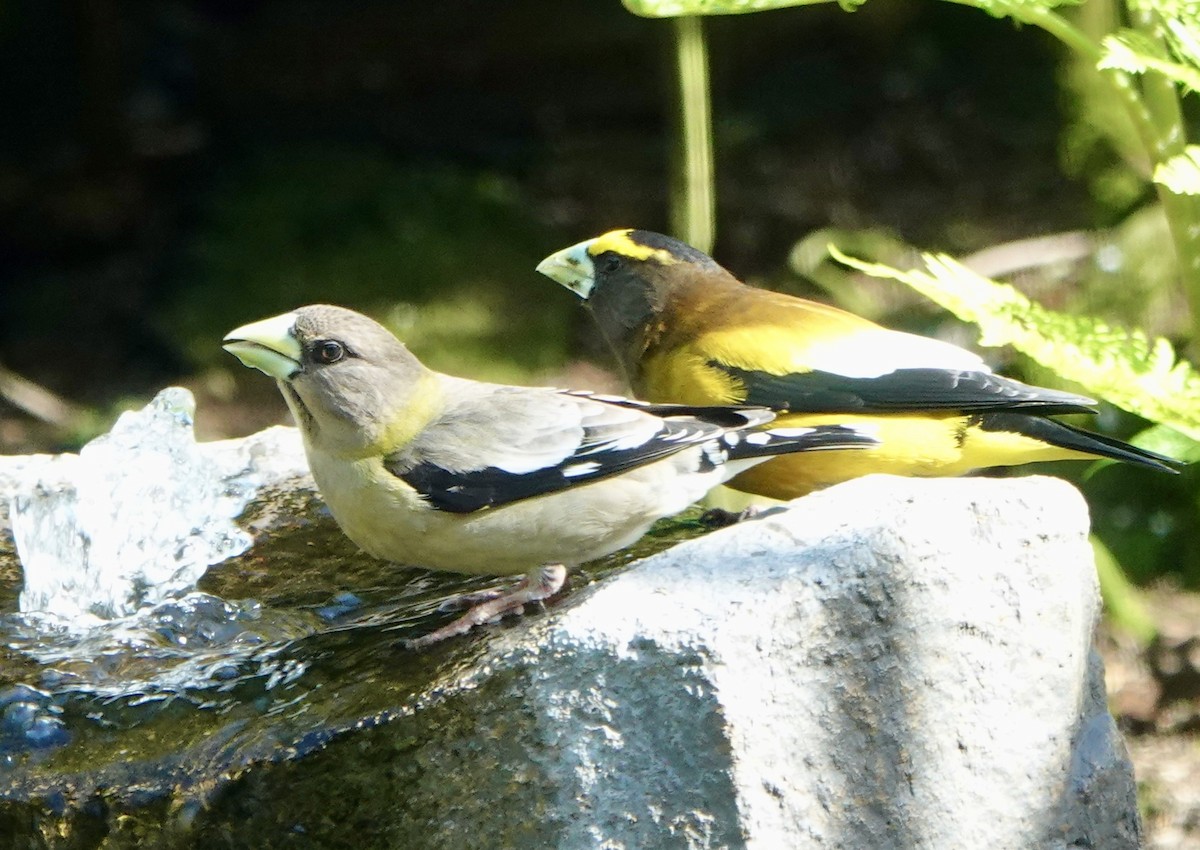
1125	367
1177	21
1018	9
1133	51
1183	33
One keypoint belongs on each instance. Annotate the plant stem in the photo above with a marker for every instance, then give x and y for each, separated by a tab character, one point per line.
1161	99
693	203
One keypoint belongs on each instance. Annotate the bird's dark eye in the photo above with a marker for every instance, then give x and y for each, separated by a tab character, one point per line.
328	351
611	263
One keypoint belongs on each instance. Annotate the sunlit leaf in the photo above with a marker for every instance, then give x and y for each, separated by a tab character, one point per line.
1181	173
1131	51
1170	46
681	8
1180	15
1135	53
1125	367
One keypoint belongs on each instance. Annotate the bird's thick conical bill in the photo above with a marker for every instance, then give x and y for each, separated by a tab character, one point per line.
572	267
269	346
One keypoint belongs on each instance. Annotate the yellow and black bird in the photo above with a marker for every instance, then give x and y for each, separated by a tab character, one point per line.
687	331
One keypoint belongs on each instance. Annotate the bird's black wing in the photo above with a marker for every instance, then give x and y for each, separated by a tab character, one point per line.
900	391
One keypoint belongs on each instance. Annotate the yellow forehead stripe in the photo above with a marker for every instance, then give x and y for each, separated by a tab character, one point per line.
620	242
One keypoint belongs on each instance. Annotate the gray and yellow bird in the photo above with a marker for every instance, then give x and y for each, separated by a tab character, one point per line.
687	331
436	471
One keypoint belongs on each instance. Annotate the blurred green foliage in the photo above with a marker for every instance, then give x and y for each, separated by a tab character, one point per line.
694	195
1100	144
1120	598
443	254
1133	61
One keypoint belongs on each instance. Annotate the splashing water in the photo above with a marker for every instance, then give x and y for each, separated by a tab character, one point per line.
131	521
120	662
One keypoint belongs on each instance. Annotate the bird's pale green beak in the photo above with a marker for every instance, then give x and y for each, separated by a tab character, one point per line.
573	268
269	346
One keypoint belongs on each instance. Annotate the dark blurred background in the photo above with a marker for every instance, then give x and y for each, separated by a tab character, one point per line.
171	169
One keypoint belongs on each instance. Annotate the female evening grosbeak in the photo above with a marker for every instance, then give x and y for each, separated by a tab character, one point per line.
436	471
685	330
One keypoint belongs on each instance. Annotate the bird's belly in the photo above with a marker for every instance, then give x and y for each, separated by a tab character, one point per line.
389	520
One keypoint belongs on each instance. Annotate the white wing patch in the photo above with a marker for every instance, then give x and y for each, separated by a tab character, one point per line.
882	352
573	470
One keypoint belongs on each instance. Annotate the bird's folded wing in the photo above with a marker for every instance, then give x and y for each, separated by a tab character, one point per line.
501	445
901	390
725	415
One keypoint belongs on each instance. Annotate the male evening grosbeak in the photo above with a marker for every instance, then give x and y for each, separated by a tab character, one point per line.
687	331
436	471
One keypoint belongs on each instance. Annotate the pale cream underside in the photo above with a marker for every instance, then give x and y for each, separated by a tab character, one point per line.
388	519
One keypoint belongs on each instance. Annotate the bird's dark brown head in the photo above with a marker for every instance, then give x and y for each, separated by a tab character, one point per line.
628	279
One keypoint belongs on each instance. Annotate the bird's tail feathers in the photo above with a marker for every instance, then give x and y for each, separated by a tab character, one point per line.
1077	440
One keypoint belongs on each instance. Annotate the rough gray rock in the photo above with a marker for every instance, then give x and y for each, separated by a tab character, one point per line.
888	664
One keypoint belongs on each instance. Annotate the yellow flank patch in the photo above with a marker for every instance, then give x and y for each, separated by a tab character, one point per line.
620	242
762	348
922	445
684	377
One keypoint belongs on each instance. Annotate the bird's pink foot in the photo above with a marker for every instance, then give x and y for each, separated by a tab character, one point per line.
534	587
